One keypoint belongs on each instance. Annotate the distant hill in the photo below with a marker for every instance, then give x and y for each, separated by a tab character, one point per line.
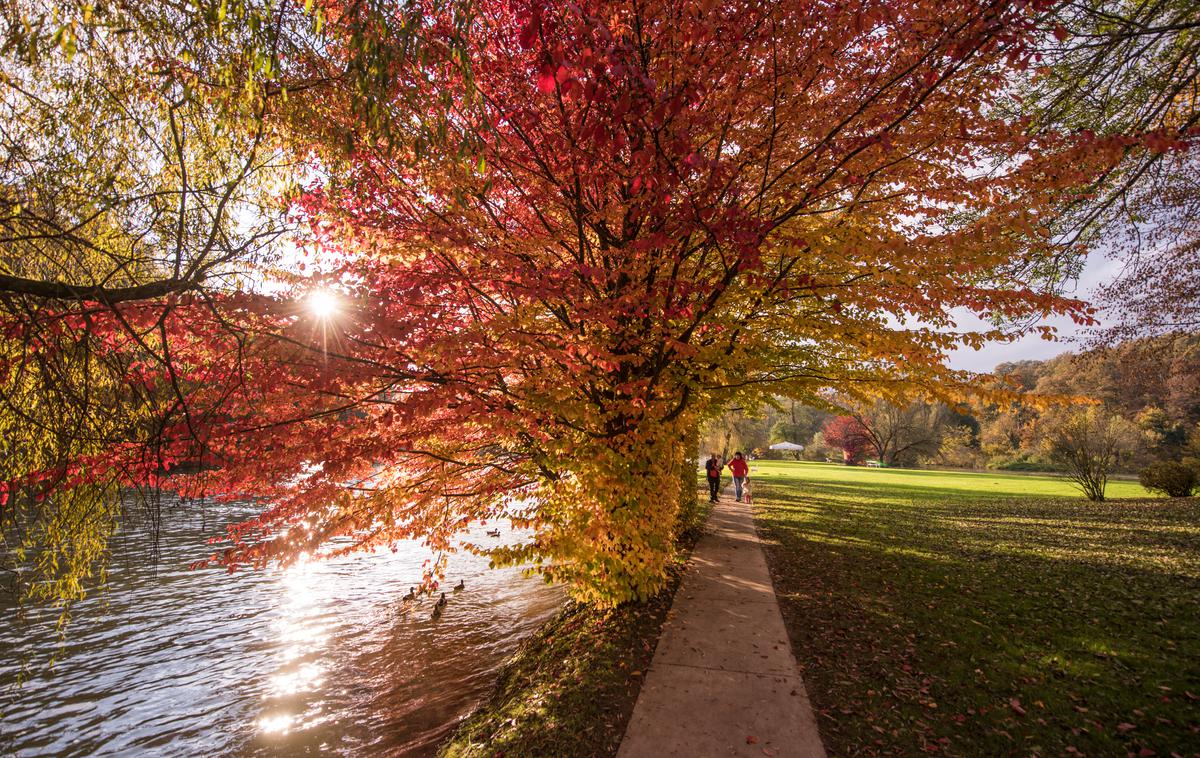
1161	372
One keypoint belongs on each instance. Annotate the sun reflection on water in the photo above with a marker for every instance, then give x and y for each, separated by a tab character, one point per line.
303	636
323	658
277	724
308	678
349	649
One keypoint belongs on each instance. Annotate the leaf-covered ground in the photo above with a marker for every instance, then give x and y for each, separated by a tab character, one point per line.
571	688
983	614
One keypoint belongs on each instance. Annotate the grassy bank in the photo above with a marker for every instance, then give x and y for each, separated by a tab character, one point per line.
986	614
571	688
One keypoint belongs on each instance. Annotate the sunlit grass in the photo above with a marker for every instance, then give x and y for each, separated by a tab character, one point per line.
987	614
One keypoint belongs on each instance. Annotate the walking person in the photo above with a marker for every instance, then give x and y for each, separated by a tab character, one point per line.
713	468
741	471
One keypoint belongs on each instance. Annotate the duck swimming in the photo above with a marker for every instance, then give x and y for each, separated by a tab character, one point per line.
460	586
493	533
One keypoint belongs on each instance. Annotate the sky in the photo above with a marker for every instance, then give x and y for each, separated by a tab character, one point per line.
1099	270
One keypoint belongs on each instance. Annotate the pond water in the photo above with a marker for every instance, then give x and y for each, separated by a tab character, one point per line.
324	658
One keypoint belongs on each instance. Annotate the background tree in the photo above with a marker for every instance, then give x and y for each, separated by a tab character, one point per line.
817	449
1163	437
959	448
732	431
847	434
798	423
901	434
1088	443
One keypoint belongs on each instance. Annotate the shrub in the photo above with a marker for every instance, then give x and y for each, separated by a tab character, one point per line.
1170	478
1087	443
1025	465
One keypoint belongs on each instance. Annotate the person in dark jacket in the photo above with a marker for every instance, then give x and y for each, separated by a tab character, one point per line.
713	468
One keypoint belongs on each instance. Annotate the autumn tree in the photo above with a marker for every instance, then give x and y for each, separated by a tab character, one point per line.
846	433
903	433
1117	67
560	240
1088	442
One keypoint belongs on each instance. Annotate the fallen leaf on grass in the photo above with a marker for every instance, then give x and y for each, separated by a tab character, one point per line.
1125	727
1015	704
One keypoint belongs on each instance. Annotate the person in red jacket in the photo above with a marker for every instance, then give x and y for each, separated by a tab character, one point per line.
741	471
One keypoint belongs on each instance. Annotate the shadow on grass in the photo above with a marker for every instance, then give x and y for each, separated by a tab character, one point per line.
1153	535
983	626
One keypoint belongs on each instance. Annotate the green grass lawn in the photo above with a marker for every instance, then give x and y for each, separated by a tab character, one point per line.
986	614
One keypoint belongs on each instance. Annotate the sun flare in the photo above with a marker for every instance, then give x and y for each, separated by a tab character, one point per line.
322	304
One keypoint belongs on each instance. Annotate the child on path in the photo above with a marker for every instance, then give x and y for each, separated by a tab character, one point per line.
713	468
740	469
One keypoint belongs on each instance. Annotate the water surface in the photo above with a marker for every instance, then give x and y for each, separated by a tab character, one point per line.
323	658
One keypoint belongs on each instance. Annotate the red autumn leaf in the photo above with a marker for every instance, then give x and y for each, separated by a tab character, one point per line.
529	34
545	79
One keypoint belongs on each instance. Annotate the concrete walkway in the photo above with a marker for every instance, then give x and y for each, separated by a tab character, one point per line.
724	680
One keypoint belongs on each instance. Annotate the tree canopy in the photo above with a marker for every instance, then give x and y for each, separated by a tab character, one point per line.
561	237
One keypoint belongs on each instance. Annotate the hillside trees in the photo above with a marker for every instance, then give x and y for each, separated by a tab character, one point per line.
564	239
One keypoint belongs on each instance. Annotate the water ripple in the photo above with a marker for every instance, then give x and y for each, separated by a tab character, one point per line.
323	658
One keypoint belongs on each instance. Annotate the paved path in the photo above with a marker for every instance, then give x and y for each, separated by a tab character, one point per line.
724	680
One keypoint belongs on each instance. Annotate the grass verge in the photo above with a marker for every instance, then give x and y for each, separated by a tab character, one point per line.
984	614
571	687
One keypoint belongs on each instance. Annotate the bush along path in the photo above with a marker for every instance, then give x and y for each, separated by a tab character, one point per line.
723	680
